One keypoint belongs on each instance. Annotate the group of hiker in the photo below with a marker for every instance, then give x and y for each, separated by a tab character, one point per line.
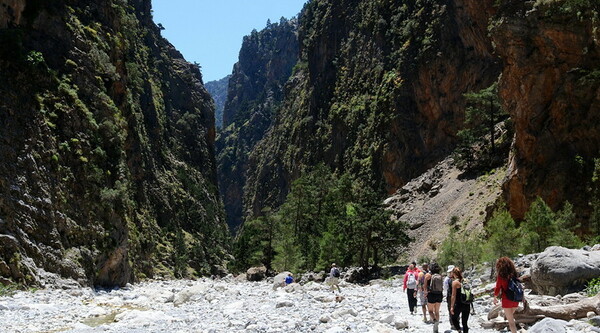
426	287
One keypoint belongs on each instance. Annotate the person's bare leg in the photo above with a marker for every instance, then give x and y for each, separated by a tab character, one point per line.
431	314
436	310
509	313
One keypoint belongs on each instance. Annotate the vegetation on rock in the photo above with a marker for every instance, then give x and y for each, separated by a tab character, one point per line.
107	148
363	96
485	140
256	88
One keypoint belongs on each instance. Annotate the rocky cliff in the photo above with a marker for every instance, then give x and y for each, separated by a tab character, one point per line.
550	84
107	171
377	92
218	90
255	92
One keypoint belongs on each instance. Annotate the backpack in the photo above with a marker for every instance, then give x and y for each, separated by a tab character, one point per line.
515	290
336	273
411	283
436	284
466	296
421	281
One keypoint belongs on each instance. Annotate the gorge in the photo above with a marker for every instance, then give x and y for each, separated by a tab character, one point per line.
111	163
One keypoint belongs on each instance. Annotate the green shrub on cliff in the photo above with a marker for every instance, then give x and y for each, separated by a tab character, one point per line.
98	110
481	146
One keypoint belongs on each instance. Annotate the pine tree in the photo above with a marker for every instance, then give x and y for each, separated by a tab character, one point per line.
542	227
288	256
502	233
378	237
180	255
477	141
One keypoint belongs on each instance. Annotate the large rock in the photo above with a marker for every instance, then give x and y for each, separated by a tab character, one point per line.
549	325
293	287
559	270
256	273
279	279
192	293
312	276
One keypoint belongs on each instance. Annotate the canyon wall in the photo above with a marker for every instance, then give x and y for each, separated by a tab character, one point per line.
107	172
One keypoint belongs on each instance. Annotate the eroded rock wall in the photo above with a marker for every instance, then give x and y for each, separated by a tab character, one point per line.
107	169
378	92
551	88
255	93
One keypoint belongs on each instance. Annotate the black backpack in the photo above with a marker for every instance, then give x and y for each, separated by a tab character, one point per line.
515	290
336	272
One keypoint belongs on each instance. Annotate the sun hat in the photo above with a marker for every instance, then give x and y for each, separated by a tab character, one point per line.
450	268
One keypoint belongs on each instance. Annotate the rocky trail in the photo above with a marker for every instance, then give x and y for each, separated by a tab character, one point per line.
226	305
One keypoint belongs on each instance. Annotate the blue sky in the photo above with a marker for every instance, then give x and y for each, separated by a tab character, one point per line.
210	32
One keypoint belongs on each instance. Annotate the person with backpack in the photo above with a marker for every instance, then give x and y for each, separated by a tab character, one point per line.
448	290
421	291
434	286
334	278
289	279
410	286
461	300
509	288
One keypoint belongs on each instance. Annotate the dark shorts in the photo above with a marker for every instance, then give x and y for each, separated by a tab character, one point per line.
433	297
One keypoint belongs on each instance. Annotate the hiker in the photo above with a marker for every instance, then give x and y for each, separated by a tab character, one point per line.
289	279
459	307
334	280
506	270
434	285
421	300
448	290
410	287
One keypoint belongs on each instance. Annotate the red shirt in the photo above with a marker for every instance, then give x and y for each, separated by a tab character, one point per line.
414	272
502	286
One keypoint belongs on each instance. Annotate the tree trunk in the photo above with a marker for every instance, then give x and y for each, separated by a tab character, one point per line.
530	314
564	312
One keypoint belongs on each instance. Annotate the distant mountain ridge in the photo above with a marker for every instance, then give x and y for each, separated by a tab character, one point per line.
218	90
256	89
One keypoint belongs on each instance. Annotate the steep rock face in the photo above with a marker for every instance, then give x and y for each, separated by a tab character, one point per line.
107	171
378	92
255	92
218	90
551	87
11	12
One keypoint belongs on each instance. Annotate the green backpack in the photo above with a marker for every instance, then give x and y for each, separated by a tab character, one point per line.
466	296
